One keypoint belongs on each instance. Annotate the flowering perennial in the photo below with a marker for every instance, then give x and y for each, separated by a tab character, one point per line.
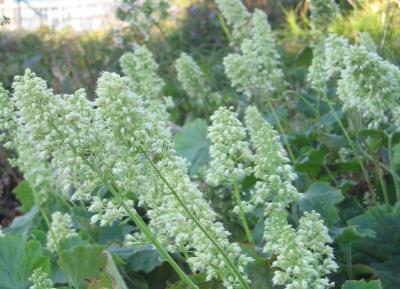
61	229
150	138
256	71
31	162
300	254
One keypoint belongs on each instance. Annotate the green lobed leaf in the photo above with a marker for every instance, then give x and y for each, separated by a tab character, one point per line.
18	258
322	198
192	144
362	284
82	262
24	194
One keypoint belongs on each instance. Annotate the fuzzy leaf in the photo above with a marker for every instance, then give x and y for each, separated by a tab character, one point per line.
192	144
82	262
362	284
322	198
18	258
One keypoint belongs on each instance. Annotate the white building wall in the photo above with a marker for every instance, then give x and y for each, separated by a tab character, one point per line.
57	14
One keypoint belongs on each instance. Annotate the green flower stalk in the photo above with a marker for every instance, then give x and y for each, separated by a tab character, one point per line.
256	70
271	163
33	165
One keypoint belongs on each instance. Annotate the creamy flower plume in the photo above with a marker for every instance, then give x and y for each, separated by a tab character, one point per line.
300	254
236	15
192	79
271	163
230	152
256	70
141	69
371	85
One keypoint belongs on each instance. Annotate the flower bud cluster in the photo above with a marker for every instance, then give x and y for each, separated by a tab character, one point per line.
31	162
141	69
230	152
256	70
192	79
323	12
235	13
61	228
371	85
40	280
271	163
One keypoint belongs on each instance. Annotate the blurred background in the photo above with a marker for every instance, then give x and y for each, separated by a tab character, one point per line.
70	42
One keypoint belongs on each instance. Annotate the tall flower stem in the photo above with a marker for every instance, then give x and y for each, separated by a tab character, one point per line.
281	131
230	263
241	211
350	142
393	167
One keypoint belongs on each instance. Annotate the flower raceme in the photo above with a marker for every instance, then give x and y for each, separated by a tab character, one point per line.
40	280
366	82
256	70
61	229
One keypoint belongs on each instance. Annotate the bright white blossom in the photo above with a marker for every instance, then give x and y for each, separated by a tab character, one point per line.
323	12
40	280
256	70
230	152
1	233
106	211
61	228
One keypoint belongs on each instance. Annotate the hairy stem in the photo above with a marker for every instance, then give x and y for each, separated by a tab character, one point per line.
241	211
